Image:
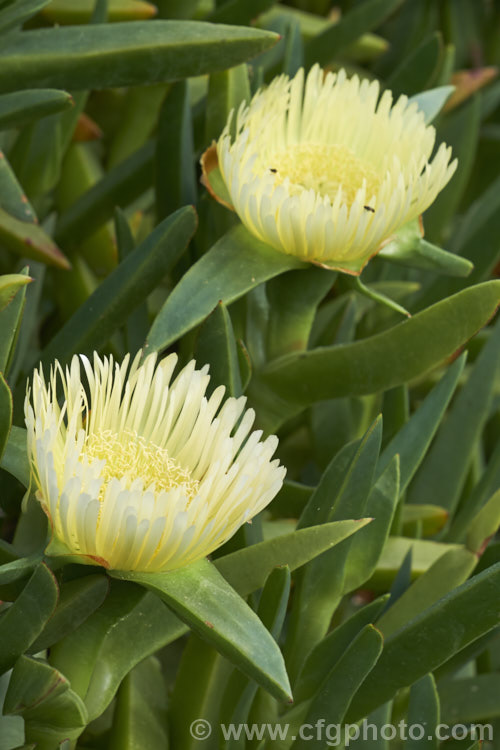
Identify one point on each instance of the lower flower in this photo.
(136, 472)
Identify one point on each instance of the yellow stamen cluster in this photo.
(326, 169)
(129, 455)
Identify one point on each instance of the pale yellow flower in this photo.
(136, 472)
(328, 170)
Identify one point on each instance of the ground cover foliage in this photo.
(110, 242)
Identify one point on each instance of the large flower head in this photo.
(136, 472)
(328, 170)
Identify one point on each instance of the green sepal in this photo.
(408, 248)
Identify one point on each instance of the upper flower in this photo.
(327, 170)
(138, 473)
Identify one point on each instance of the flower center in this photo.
(324, 168)
(130, 455)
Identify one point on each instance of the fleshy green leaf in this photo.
(124, 289)
(216, 346)
(440, 631)
(247, 569)
(240, 692)
(124, 54)
(413, 439)
(12, 196)
(448, 572)
(25, 619)
(119, 187)
(293, 299)
(30, 241)
(239, 11)
(367, 546)
(11, 727)
(20, 107)
(175, 175)
(10, 285)
(68, 12)
(430, 518)
(484, 525)
(10, 321)
(77, 600)
(470, 699)
(327, 652)
(226, 91)
(320, 586)
(460, 131)
(488, 484)
(443, 471)
(237, 263)
(203, 599)
(5, 413)
(102, 651)
(362, 18)
(15, 456)
(16, 13)
(418, 68)
(139, 719)
(51, 710)
(39, 149)
(389, 358)
(212, 671)
(424, 711)
(79, 172)
(424, 554)
(17, 569)
(141, 110)
(335, 693)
